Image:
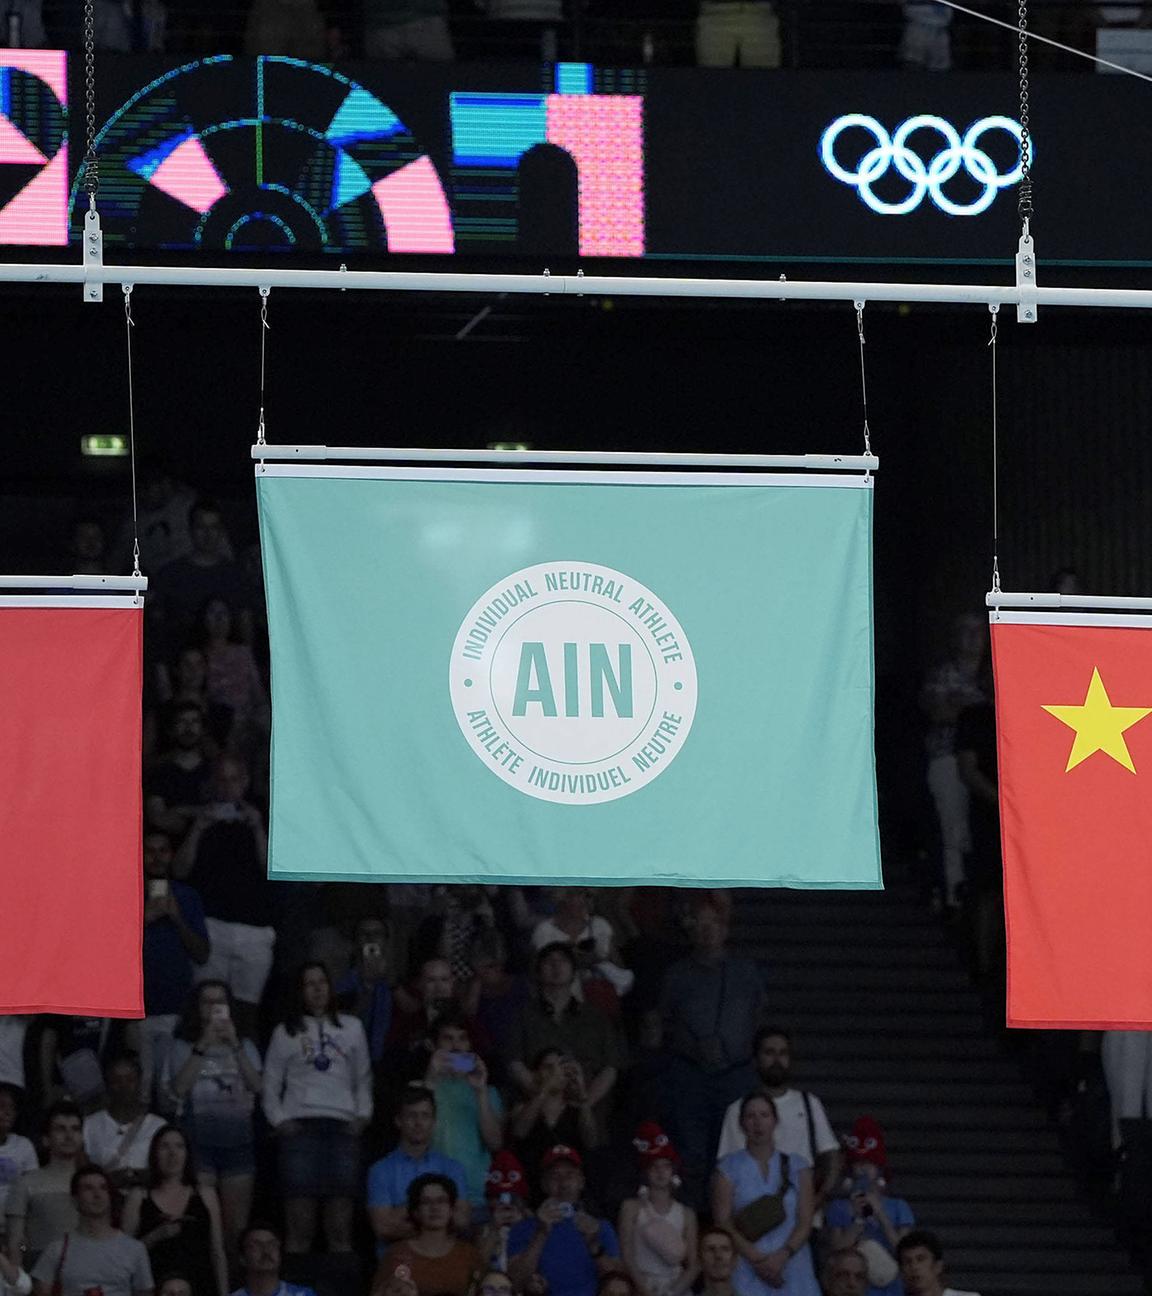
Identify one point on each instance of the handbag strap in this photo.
(58, 1277)
(811, 1135)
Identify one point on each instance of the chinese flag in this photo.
(1074, 732)
(70, 808)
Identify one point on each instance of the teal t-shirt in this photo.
(458, 1131)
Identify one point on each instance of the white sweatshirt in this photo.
(295, 1088)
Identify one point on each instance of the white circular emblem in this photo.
(573, 682)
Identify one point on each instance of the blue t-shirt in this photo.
(285, 1289)
(565, 1261)
(388, 1178)
(167, 967)
(838, 1213)
(377, 1020)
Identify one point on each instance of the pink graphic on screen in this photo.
(187, 174)
(605, 136)
(414, 209)
(37, 215)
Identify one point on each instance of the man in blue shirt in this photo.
(414, 1155)
(563, 1242)
(260, 1260)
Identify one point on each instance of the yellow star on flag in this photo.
(1099, 725)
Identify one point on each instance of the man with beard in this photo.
(802, 1126)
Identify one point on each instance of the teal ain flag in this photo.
(600, 678)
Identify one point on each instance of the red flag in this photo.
(70, 810)
(1074, 735)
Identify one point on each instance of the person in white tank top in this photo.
(657, 1232)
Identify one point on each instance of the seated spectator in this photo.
(174, 1285)
(557, 1111)
(234, 678)
(926, 43)
(294, 28)
(186, 680)
(214, 1077)
(845, 1273)
(469, 1112)
(365, 988)
(737, 35)
(14, 1280)
(868, 1219)
(764, 1197)
(711, 1006)
(657, 1232)
(617, 1284)
(72, 1056)
(260, 1259)
(462, 914)
(39, 1207)
(592, 938)
(567, 1245)
(318, 1100)
(225, 857)
(175, 943)
(413, 1156)
(496, 997)
(407, 29)
(87, 545)
(506, 1197)
(921, 1260)
(434, 1258)
(176, 786)
(177, 1219)
(95, 1256)
(162, 520)
(117, 1138)
(802, 1124)
(555, 1017)
(717, 1262)
(17, 1154)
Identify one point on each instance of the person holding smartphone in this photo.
(470, 1113)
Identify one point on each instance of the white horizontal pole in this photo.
(688, 459)
(105, 583)
(1105, 601)
(571, 285)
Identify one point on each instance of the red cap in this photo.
(561, 1152)
(866, 1142)
(652, 1144)
(506, 1176)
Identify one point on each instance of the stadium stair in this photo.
(886, 1022)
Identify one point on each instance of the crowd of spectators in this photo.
(412, 1090)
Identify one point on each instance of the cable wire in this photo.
(91, 162)
(863, 377)
(129, 322)
(995, 464)
(264, 326)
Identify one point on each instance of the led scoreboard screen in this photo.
(273, 154)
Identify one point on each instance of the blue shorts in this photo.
(226, 1162)
(321, 1160)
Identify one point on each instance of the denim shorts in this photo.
(226, 1162)
(322, 1159)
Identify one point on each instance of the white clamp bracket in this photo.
(1028, 307)
(93, 255)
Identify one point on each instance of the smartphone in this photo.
(220, 1012)
(372, 950)
(567, 1210)
(158, 888)
(463, 1063)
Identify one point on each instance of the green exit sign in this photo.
(114, 447)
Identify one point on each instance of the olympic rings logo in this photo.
(926, 178)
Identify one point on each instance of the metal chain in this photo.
(128, 325)
(863, 379)
(263, 336)
(1024, 199)
(995, 463)
(91, 163)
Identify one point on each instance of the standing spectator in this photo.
(563, 1242)
(39, 1207)
(734, 34)
(87, 546)
(591, 936)
(802, 1124)
(657, 1232)
(234, 678)
(434, 1258)
(765, 1198)
(177, 1219)
(162, 518)
(17, 1155)
(463, 914)
(260, 1259)
(496, 997)
(557, 1018)
(921, 1260)
(225, 857)
(926, 42)
(412, 1157)
(176, 786)
(175, 942)
(12, 1032)
(506, 1195)
(469, 1113)
(711, 1005)
(845, 1273)
(364, 988)
(95, 1256)
(214, 1077)
(73, 1054)
(414, 1017)
(556, 1111)
(186, 680)
(717, 1262)
(407, 29)
(117, 1138)
(318, 1099)
(868, 1219)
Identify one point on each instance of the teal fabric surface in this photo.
(605, 683)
